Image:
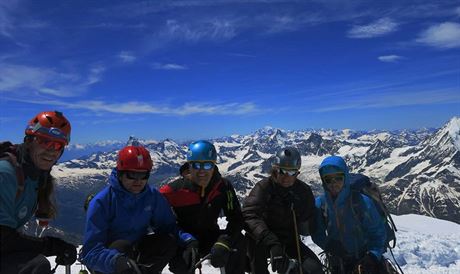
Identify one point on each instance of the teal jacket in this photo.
(339, 228)
(15, 213)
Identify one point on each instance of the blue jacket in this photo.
(115, 213)
(356, 235)
(15, 213)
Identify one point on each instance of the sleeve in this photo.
(319, 235)
(307, 222)
(375, 228)
(94, 254)
(253, 209)
(232, 210)
(12, 241)
(164, 221)
(8, 189)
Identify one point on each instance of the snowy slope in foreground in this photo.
(425, 245)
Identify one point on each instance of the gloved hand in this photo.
(66, 254)
(369, 264)
(220, 251)
(278, 259)
(125, 265)
(190, 254)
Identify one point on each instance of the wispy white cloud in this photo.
(127, 57)
(168, 66)
(236, 54)
(135, 107)
(397, 99)
(95, 74)
(6, 19)
(457, 11)
(378, 28)
(212, 29)
(445, 35)
(44, 80)
(390, 58)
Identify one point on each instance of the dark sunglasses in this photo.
(202, 165)
(49, 144)
(132, 175)
(289, 172)
(334, 178)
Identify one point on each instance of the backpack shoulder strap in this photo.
(357, 204)
(324, 209)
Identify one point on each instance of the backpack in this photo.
(361, 184)
(9, 152)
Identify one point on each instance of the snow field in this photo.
(424, 245)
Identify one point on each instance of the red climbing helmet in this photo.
(134, 158)
(51, 125)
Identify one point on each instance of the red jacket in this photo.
(198, 209)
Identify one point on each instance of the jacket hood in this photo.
(333, 164)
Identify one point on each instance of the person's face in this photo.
(201, 172)
(134, 181)
(286, 177)
(44, 152)
(334, 183)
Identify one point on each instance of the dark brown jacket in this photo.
(267, 212)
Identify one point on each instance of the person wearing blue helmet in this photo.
(198, 201)
(353, 244)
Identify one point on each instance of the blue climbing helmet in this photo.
(201, 151)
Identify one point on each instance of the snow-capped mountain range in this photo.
(417, 170)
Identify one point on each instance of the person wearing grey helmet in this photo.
(277, 210)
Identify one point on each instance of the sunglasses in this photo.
(132, 175)
(202, 165)
(334, 178)
(49, 144)
(289, 172)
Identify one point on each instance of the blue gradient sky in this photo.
(206, 68)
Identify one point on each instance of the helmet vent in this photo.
(287, 153)
(49, 119)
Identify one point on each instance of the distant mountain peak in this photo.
(453, 127)
(133, 141)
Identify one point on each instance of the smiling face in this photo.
(286, 178)
(44, 153)
(200, 175)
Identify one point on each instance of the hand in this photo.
(66, 254)
(190, 254)
(124, 265)
(220, 251)
(278, 259)
(368, 264)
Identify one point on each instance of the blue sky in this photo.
(206, 68)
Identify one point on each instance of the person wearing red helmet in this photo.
(119, 218)
(26, 190)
